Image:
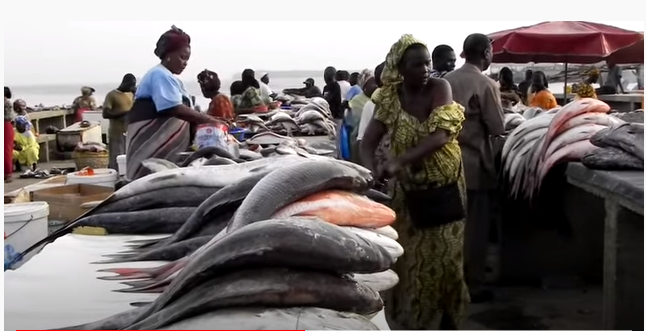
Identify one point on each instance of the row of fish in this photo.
(558, 135)
(285, 231)
(620, 147)
(314, 118)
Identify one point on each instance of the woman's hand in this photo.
(392, 168)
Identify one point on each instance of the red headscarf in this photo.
(172, 40)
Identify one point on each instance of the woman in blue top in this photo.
(160, 119)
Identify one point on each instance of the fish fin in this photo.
(140, 283)
(143, 243)
(258, 169)
(140, 303)
(157, 165)
(125, 273)
(133, 276)
(140, 290)
(118, 259)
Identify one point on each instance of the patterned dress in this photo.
(431, 287)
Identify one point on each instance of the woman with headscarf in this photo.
(429, 193)
(84, 102)
(26, 150)
(220, 105)
(160, 118)
(8, 135)
(585, 88)
(20, 107)
(366, 81)
(540, 96)
(250, 99)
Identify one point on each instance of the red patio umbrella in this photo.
(565, 42)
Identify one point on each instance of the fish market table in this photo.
(623, 269)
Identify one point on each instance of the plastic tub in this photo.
(121, 163)
(24, 225)
(101, 177)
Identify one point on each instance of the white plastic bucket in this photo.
(121, 162)
(101, 177)
(24, 225)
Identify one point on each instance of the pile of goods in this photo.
(621, 147)
(278, 237)
(561, 134)
(90, 154)
(313, 118)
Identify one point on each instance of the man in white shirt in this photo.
(265, 90)
(342, 77)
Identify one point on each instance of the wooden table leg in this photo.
(623, 271)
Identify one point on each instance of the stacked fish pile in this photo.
(561, 134)
(621, 147)
(279, 232)
(313, 118)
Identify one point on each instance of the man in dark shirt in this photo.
(332, 92)
(309, 91)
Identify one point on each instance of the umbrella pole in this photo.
(565, 94)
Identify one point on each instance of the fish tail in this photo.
(126, 273)
(140, 283)
(141, 290)
(144, 243)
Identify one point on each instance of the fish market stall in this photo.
(623, 274)
(564, 170)
(292, 237)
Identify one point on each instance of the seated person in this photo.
(309, 91)
(26, 150)
(246, 100)
(585, 88)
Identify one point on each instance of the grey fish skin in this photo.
(289, 243)
(181, 196)
(248, 155)
(171, 252)
(225, 200)
(258, 318)
(268, 288)
(296, 181)
(611, 158)
(207, 152)
(628, 137)
(152, 221)
(216, 160)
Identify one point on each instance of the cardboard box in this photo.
(65, 201)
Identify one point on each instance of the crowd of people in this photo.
(422, 126)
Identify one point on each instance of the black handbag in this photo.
(434, 206)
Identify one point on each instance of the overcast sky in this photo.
(98, 52)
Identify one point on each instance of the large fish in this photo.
(207, 153)
(334, 206)
(611, 158)
(571, 110)
(628, 137)
(525, 128)
(578, 133)
(152, 221)
(294, 182)
(572, 152)
(290, 243)
(170, 252)
(184, 186)
(220, 203)
(588, 118)
(299, 318)
(271, 287)
(390, 245)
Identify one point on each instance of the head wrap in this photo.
(249, 79)
(209, 81)
(592, 73)
(86, 90)
(364, 76)
(171, 41)
(391, 75)
(24, 121)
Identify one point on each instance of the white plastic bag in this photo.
(210, 136)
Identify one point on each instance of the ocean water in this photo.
(64, 94)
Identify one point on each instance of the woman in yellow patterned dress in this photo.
(429, 193)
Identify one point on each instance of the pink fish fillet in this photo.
(341, 208)
(588, 118)
(572, 152)
(575, 108)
